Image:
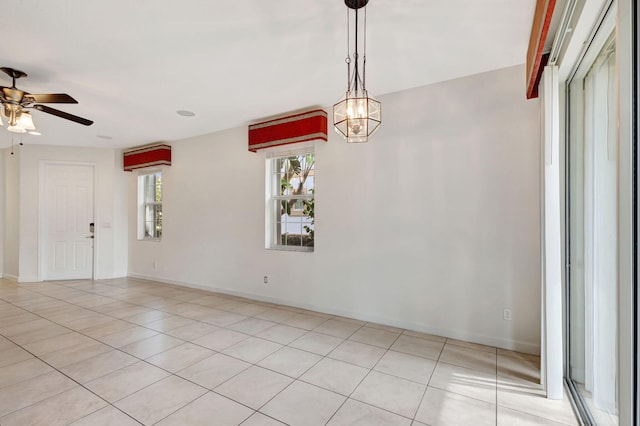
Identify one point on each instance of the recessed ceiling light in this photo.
(35, 133)
(104, 137)
(185, 113)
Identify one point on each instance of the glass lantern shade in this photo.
(26, 121)
(16, 129)
(357, 116)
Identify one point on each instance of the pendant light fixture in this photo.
(357, 115)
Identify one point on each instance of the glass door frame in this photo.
(601, 34)
(635, 117)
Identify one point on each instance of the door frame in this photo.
(629, 42)
(630, 34)
(605, 25)
(42, 217)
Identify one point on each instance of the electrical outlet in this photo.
(266, 279)
(506, 315)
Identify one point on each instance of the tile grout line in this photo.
(295, 379)
(350, 396)
(496, 387)
(428, 381)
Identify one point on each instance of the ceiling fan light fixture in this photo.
(9, 112)
(25, 121)
(14, 102)
(16, 129)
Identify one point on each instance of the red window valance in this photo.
(158, 154)
(296, 128)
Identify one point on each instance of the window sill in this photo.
(151, 240)
(292, 249)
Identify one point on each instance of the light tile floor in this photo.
(128, 351)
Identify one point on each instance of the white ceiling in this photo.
(132, 63)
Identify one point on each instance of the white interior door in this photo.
(68, 203)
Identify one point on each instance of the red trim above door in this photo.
(535, 54)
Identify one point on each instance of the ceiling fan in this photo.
(16, 102)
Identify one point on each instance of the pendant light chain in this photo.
(364, 56)
(355, 55)
(348, 58)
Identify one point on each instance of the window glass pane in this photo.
(153, 188)
(308, 226)
(150, 207)
(149, 214)
(158, 188)
(153, 220)
(149, 185)
(295, 174)
(157, 221)
(294, 226)
(592, 305)
(309, 184)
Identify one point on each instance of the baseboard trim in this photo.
(10, 277)
(512, 345)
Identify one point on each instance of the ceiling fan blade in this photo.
(52, 98)
(63, 114)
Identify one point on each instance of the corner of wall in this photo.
(120, 218)
(10, 213)
(3, 203)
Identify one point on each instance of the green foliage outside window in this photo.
(295, 172)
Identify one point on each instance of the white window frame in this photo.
(271, 196)
(142, 204)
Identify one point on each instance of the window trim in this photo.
(270, 198)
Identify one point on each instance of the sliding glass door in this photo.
(592, 294)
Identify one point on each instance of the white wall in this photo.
(11, 207)
(432, 226)
(3, 204)
(110, 258)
